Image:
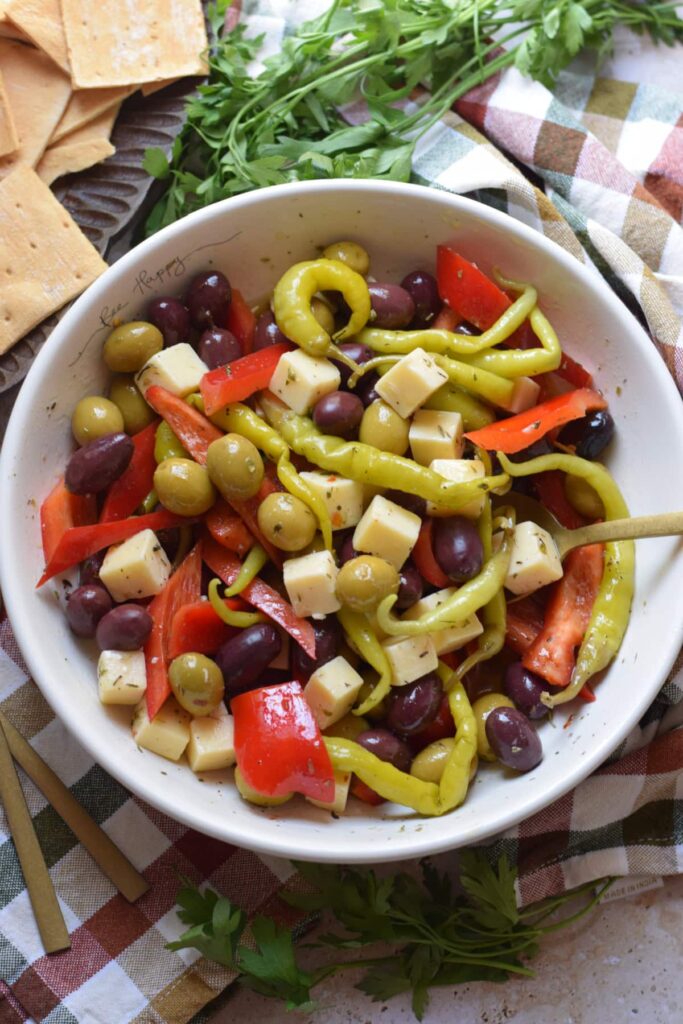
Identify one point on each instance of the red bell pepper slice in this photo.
(364, 793)
(79, 542)
(467, 290)
(523, 623)
(183, 587)
(248, 513)
(193, 430)
(423, 557)
(518, 432)
(241, 321)
(278, 745)
(261, 596)
(63, 511)
(197, 627)
(240, 379)
(132, 487)
(226, 527)
(445, 320)
(550, 491)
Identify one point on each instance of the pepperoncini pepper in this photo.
(363, 638)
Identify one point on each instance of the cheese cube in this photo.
(167, 734)
(524, 395)
(343, 498)
(387, 530)
(342, 782)
(212, 743)
(410, 382)
(534, 561)
(300, 380)
(121, 677)
(410, 658)
(332, 690)
(178, 369)
(459, 471)
(139, 567)
(435, 435)
(310, 581)
(450, 638)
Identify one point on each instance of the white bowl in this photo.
(254, 238)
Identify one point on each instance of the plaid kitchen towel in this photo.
(610, 157)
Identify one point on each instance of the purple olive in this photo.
(354, 350)
(513, 740)
(217, 346)
(85, 607)
(89, 571)
(458, 548)
(424, 291)
(411, 502)
(590, 435)
(346, 549)
(410, 588)
(412, 707)
(466, 328)
(95, 466)
(387, 747)
(208, 298)
(328, 639)
(171, 317)
(267, 332)
(124, 628)
(338, 413)
(366, 388)
(169, 540)
(244, 657)
(524, 688)
(392, 305)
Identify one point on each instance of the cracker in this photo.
(9, 140)
(41, 21)
(38, 92)
(45, 259)
(150, 87)
(115, 43)
(7, 29)
(86, 105)
(82, 148)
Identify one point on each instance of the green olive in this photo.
(429, 764)
(167, 445)
(286, 521)
(584, 498)
(348, 727)
(129, 346)
(365, 581)
(481, 709)
(350, 253)
(95, 417)
(184, 487)
(323, 314)
(254, 797)
(384, 428)
(235, 466)
(125, 394)
(197, 683)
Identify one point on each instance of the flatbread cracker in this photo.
(9, 140)
(83, 148)
(41, 21)
(86, 105)
(45, 259)
(117, 42)
(7, 29)
(150, 87)
(38, 92)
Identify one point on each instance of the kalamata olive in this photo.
(366, 388)
(590, 435)
(413, 706)
(170, 541)
(89, 571)
(354, 350)
(424, 291)
(245, 656)
(85, 608)
(267, 332)
(513, 740)
(96, 465)
(541, 447)
(124, 628)
(463, 327)
(387, 747)
(208, 298)
(411, 502)
(458, 548)
(171, 317)
(218, 346)
(338, 413)
(524, 688)
(410, 587)
(346, 549)
(392, 305)
(328, 639)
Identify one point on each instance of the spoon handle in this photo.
(665, 524)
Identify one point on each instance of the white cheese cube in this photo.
(342, 782)
(450, 638)
(387, 530)
(178, 369)
(410, 382)
(459, 471)
(332, 690)
(410, 657)
(300, 380)
(343, 498)
(435, 435)
(212, 743)
(524, 395)
(167, 734)
(121, 677)
(310, 581)
(534, 561)
(139, 567)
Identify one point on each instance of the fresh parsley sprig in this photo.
(425, 934)
(288, 123)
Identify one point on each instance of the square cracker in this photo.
(45, 259)
(82, 148)
(86, 105)
(41, 21)
(38, 92)
(119, 42)
(9, 140)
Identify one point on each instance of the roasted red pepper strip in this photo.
(196, 627)
(364, 793)
(193, 430)
(523, 623)
(241, 321)
(467, 290)
(425, 562)
(226, 527)
(261, 596)
(80, 542)
(62, 511)
(518, 432)
(240, 379)
(278, 745)
(550, 492)
(132, 487)
(183, 587)
(248, 513)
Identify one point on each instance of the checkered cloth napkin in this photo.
(610, 158)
